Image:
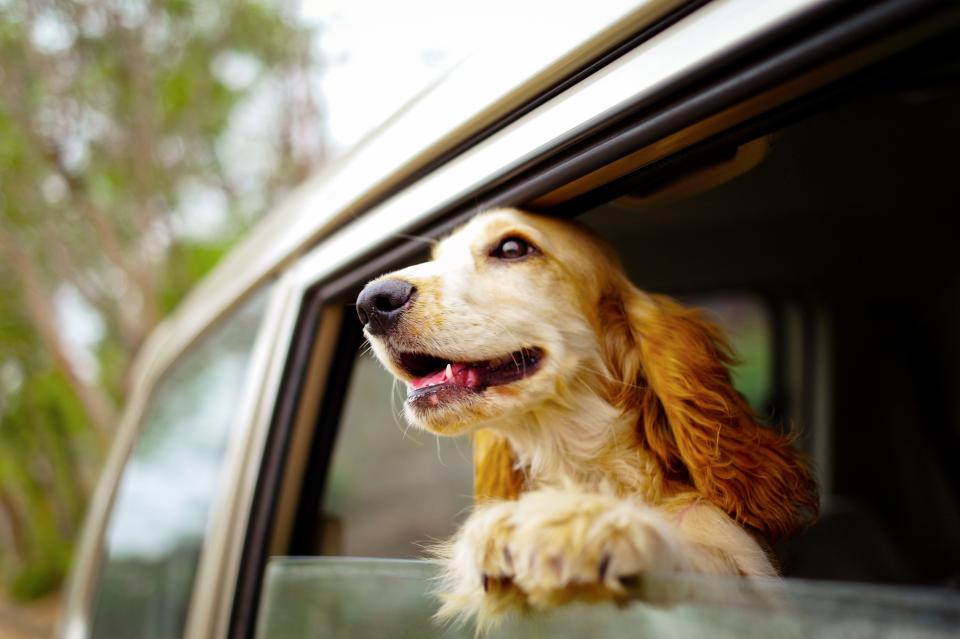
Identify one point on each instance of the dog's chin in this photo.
(448, 412)
(453, 411)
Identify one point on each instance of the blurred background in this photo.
(139, 139)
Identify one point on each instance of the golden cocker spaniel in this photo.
(608, 438)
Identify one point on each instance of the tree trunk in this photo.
(98, 407)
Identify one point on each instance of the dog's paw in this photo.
(573, 545)
(552, 546)
(477, 576)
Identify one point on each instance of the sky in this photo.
(377, 55)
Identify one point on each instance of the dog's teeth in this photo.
(449, 372)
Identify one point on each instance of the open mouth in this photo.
(436, 377)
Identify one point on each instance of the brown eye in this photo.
(512, 248)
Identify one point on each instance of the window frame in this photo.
(337, 266)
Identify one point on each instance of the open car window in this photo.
(821, 243)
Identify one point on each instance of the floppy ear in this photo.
(494, 475)
(672, 365)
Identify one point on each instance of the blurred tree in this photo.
(138, 138)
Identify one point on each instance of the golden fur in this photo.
(627, 450)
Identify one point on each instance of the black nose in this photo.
(381, 303)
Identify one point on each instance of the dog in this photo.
(608, 438)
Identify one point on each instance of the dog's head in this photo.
(515, 311)
(488, 329)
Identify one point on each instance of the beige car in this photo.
(791, 165)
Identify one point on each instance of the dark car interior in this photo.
(846, 220)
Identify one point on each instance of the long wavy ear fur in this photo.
(494, 475)
(672, 364)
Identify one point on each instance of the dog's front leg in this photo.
(551, 546)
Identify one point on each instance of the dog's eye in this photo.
(512, 248)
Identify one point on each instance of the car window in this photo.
(844, 246)
(392, 489)
(155, 531)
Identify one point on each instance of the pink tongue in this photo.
(430, 380)
(463, 375)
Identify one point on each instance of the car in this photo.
(790, 166)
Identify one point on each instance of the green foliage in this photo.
(100, 128)
(46, 455)
(189, 262)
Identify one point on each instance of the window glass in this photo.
(392, 488)
(366, 599)
(162, 507)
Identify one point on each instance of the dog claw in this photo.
(556, 564)
(603, 567)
